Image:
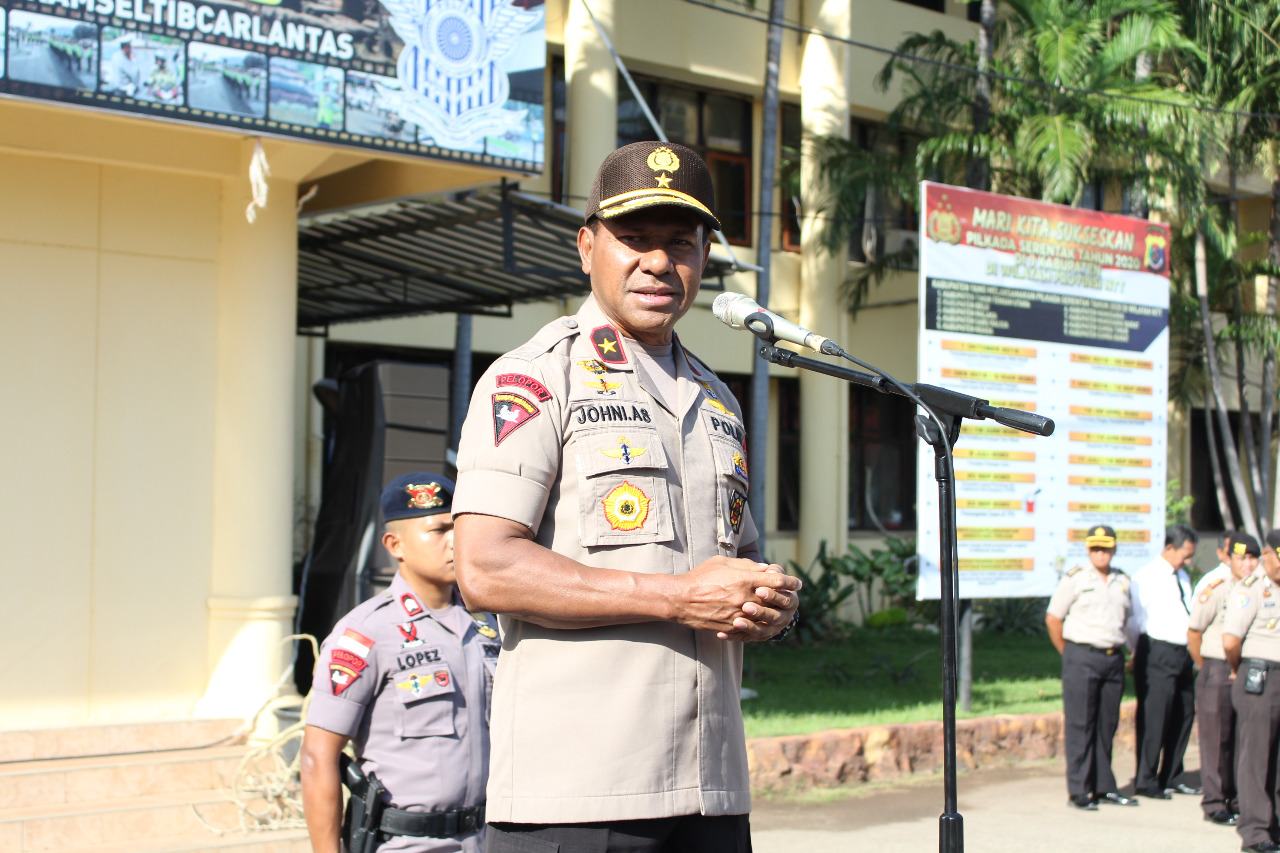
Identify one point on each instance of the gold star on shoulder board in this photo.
(664, 181)
(607, 345)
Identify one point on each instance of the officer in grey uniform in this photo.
(1213, 683)
(602, 512)
(1251, 645)
(1086, 620)
(406, 677)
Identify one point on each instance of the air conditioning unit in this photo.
(898, 240)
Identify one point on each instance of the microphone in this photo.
(739, 311)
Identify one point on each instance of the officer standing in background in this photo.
(1251, 643)
(602, 482)
(1213, 682)
(1163, 673)
(1087, 618)
(407, 676)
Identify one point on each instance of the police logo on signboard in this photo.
(455, 87)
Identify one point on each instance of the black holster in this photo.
(364, 808)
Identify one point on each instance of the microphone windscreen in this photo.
(731, 308)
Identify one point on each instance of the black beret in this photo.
(415, 495)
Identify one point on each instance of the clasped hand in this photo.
(738, 599)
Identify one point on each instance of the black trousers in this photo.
(1165, 682)
(1217, 736)
(1092, 685)
(1258, 734)
(686, 834)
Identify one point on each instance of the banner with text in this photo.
(455, 79)
(1063, 312)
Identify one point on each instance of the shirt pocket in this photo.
(731, 489)
(622, 489)
(427, 698)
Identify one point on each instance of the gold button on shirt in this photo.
(566, 435)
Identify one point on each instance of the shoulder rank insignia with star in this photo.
(626, 451)
(608, 345)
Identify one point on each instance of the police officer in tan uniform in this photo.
(1213, 682)
(1086, 620)
(602, 513)
(406, 677)
(1251, 644)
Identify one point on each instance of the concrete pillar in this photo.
(591, 81)
(824, 402)
(251, 607)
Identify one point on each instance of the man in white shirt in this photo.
(1162, 667)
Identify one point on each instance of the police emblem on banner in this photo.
(454, 85)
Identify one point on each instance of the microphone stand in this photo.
(940, 429)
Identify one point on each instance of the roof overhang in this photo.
(476, 252)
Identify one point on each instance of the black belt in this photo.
(432, 824)
(1165, 642)
(1111, 650)
(1259, 663)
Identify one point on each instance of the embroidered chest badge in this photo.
(626, 451)
(737, 503)
(510, 412)
(482, 625)
(740, 465)
(713, 400)
(409, 631)
(413, 684)
(626, 507)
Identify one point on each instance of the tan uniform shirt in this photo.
(566, 436)
(1093, 609)
(1209, 611)
(1253, 614)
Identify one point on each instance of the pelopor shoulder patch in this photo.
(510, 412)
(521, 380)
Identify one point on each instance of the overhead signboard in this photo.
(1063, 312)
(457, 79)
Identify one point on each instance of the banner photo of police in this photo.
(451, 79)
(1062, 311)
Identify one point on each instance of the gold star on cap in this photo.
(664, 181)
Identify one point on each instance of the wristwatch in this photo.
(782, 635)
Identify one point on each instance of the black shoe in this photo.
(1154, 793)
(1222, 817)
(1084, 802)
(1183, 788)
(1114, 799)
(1262, 847)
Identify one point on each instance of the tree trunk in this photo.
(1219, 488)
(1252, 457)
(1220, 404)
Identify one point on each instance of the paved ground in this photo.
(1009, 810)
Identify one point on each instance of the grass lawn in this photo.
(892, 675)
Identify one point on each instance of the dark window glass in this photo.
(1205, 512)
(788, 474)
(792, 132)
(931, 5)
(882, 461)
(558, 111)
(717, 126)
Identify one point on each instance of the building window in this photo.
(1205, 512)
(882, 461)
(716, 125)
(792, 132)
(788, 473)
(931, 5)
